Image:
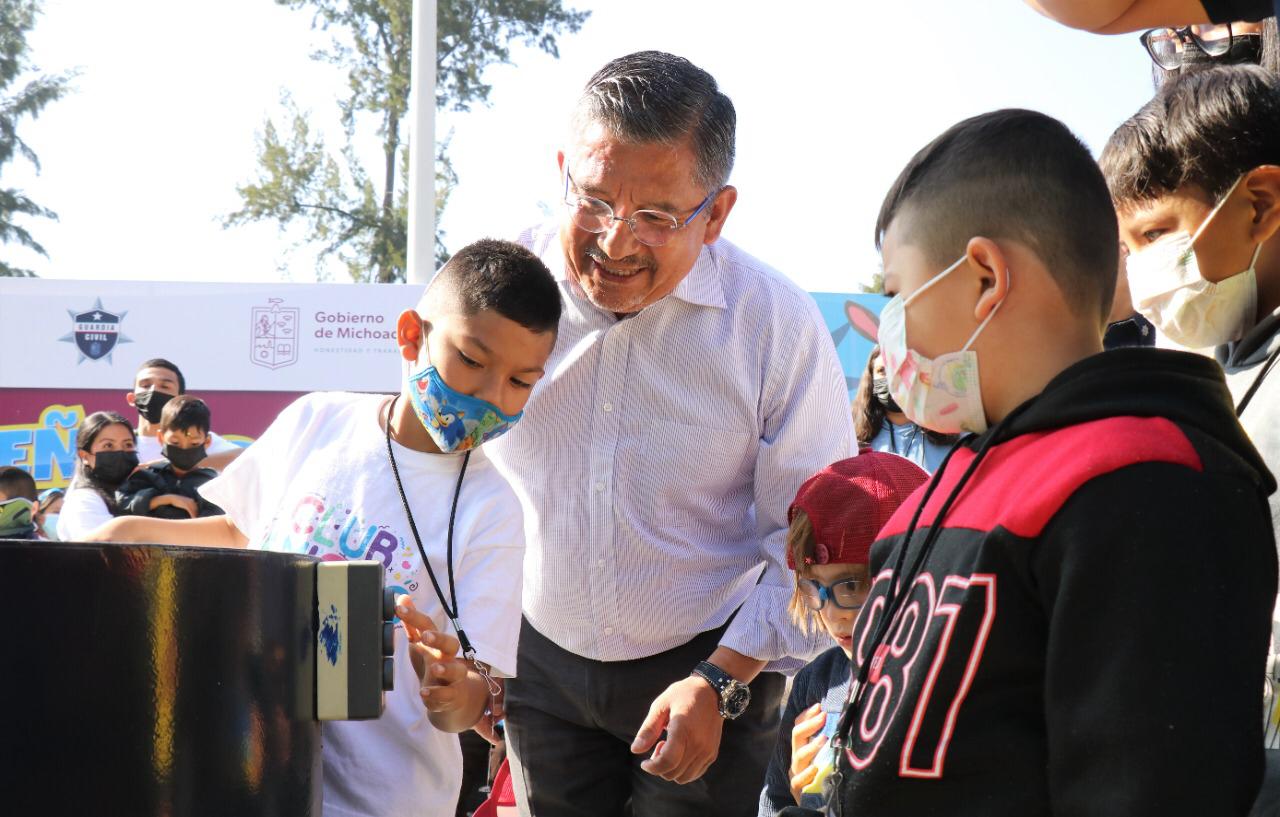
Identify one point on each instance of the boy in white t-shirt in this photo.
(325, 479)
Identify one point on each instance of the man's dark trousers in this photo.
(571, 721)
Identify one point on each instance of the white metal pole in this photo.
(420, 263)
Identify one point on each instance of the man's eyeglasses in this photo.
(843, 594)
(652, 228)
(1165, 45)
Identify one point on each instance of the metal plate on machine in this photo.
(350, 640)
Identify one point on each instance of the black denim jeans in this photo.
(571, 720)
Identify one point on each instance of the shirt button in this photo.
(607, 407)
(600, 486)
(608, 631)
(600, 563)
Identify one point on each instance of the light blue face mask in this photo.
(455, 421)
(50, 527)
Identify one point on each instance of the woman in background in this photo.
(105, 456)
(880, 423)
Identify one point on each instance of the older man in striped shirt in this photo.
(691, 391)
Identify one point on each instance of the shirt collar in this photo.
(703, 286)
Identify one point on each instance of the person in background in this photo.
(880, 424)
(833, 521)
(1177, 52)
(106, 454)
(170, 488)
(1195, 176)
(48, 506)
(17, 504)
(156, 383)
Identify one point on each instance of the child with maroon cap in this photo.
(835, 517)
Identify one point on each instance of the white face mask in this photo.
(1169, 291)
(942, 393)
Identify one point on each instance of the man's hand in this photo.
(804, 748)
(689, 711)
(453, 692)
(186, 503)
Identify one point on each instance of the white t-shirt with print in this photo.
(318, 482)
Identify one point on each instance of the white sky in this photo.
(832, 97)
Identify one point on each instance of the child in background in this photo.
(48, 508)
(1195, 177)
(17, 503)
(170, 489)
(834, 519)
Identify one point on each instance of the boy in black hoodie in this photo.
(1195, 176)
(171, 489)
(1071, 617)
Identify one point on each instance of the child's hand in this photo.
(186, 503)
(435, 658)
(804, 748)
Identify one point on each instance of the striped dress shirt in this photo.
(659, 455)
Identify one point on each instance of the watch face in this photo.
(736, 699)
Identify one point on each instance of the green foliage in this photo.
(17, 18)
(347, 211)
(876, 287)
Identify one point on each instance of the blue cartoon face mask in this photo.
(456, 421)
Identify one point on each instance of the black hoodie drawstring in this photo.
(900, 590)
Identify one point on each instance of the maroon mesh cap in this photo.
(849, 501)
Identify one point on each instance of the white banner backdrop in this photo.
(241, 337)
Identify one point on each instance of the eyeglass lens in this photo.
(649, 226)
(843, 594)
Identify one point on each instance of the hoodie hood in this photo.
(1254, 347)
(1187, 388)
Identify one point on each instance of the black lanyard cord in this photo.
(450, 606)
(897, 596)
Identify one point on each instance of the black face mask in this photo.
(111, 467)
(150, 403)
(880, 388)
(184, 459)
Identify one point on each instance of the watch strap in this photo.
(720, 682)
(718, 678)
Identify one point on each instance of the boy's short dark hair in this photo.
(184, 412)
(17, 482)
(504, 277)
(1020, 175)
(161, 363)
(1204, 129)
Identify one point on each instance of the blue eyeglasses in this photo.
(844, 594)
